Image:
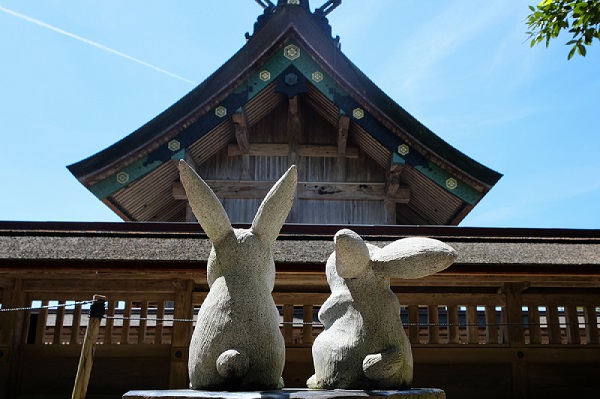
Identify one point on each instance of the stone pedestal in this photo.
(423, 393)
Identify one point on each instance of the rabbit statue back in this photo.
(364, 345)
(237, 344)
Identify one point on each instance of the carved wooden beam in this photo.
(392, 186)
(281, 150)
(343, 152)
(343, 126)
(241, 131)
(305, 190)
(243, 141)
(393, 181)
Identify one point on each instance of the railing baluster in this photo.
(454, 330)
(126, 323)
(75, 325)
(472, 327)
(143, 322)
(591, 324)
(572, 319)
(160, 315)
(307, 328)
(288, 327)
(40, 331)
(535, 333)
(110, 323)
(413, 324)
(554, 335)
(491, 329)
(434, 320)
(58, 324)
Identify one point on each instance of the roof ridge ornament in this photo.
(328, 7)
(320, 14)
(265, 3)
(301, 3)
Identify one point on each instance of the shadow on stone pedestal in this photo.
(421, 393)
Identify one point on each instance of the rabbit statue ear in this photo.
(351, 254)
(206, 206)
(275, 207)
(414, 257)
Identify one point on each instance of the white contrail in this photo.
(97, 45)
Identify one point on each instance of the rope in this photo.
(317, 324)
(60, 305)
(300, 323)
(149, 319)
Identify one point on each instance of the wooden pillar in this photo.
(182, 333)
(516, 336)
(11, 332)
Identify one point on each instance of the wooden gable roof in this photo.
(290, 79)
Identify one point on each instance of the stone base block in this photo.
(421, 393)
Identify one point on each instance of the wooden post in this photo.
(182, 333)
(12, 331)
(516, 336)
(89, 347)
(307, 327)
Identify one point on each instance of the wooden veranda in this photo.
(515, 317)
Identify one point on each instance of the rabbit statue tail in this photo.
(390, 368)
(232, 364)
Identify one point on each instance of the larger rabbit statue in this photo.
(364, 345)
(237, 344)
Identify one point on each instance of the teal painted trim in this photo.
(272, 68)
(397, 159)
(327, 86)
(304, 63)
(450, 183)
(124, 177)
(444, 179)
(128, 175)
(179, 155)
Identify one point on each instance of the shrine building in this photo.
(290, 96)
(516, 316)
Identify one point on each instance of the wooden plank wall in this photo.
(315, 131)
(524, 342)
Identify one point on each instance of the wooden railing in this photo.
(429, 319)
(145, 336)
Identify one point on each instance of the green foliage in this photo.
(580, 18)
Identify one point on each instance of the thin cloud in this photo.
(94, 44)
(448, 29)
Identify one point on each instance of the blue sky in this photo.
(76, 76)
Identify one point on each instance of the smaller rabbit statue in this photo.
(237, 344)
(364, 345)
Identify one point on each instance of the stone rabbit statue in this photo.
(364, 345)
(237, 344)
